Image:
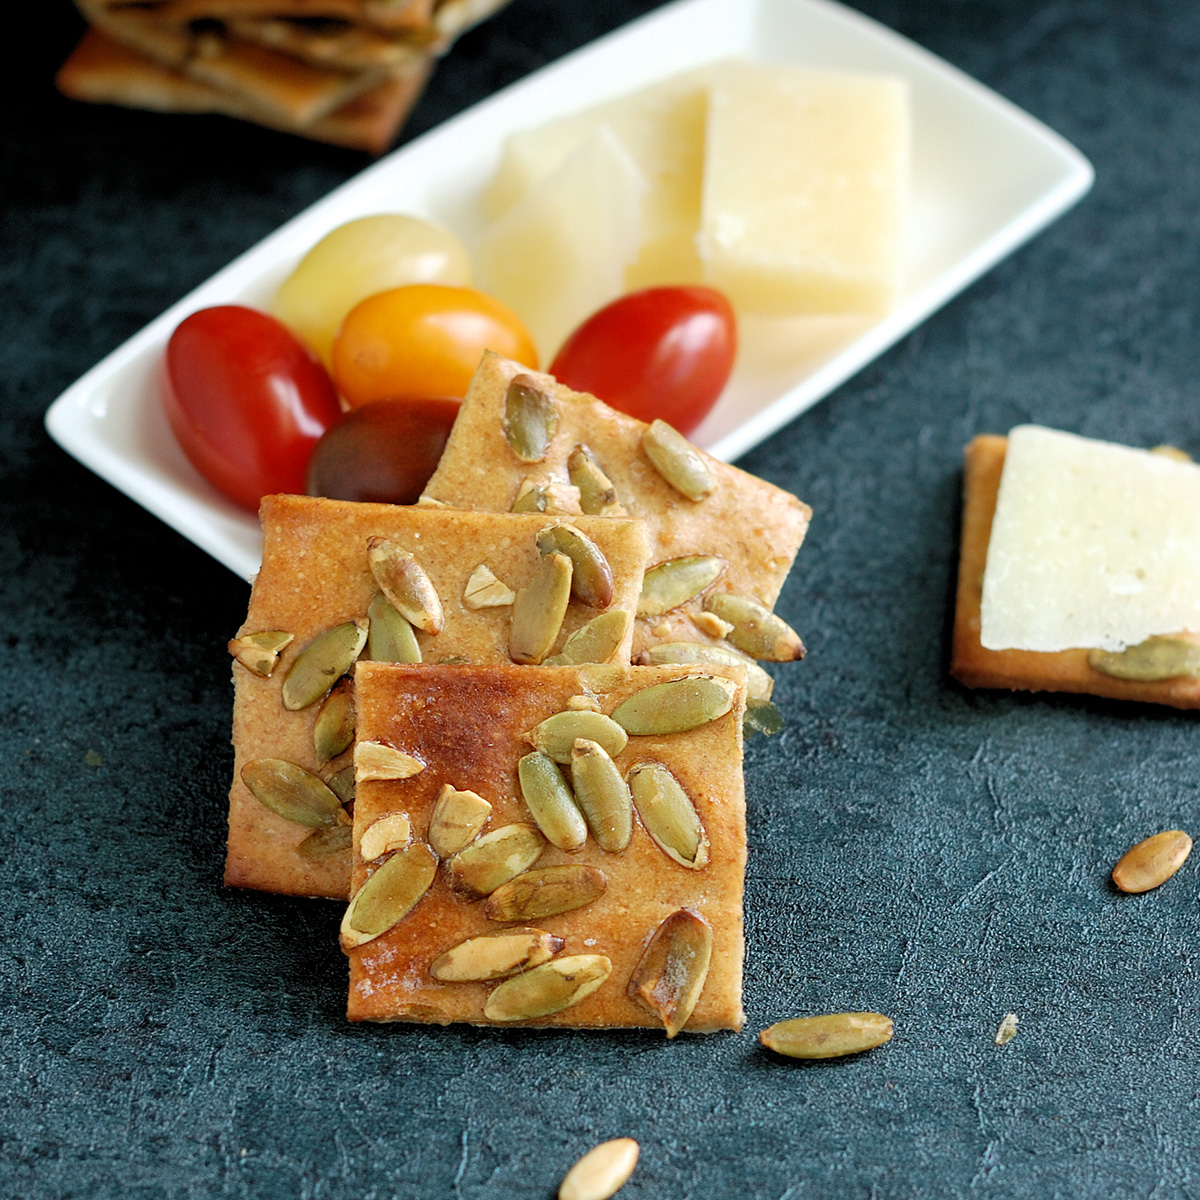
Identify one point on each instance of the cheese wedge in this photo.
(1093, 545)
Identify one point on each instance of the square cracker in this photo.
(754, 526)
(315, 575)
(1024, 670)
(468, 726)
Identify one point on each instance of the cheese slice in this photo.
(1092, 545)
(805, 186)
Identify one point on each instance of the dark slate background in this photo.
(937, 855)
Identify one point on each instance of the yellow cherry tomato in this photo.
(423, 340)
(359, 259)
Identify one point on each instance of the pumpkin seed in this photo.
(597, 495)
(293, 793)
(494, 859)
(759, 685)
(322, 663)
(1155, 659)
(530, 418)
(456, 820)
(677, 705)
(829, 1036)
(341, 784)
(595, 642)
(390, 637)
(495, 955)
(1152, 862)
(374, 760)
(668, 814)
(676, 581)
(406, 584)
(538, 610)
(259, 652)
(591, 577)
(333, 730)
(671, 973)
(602, 1172)
(710, 624)
(382, 836)
(602, 795)
(678, 461)
(389, 895)
(756, 629)
(545, 892)
(1007, 1029)
(484, 590)
(761, 716)
(550, 497)
(326, 843)
(550, 801)
(547, 989)
(556, 735)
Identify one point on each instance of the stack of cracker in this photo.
(346, 72)
(506, 723)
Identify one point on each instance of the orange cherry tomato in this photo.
(425, 339)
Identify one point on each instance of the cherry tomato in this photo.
(246, 400)
(423, 340)
(663, 352)
(383, 452)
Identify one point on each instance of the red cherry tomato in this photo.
(663, 352)
(384, 452)
(247, 401)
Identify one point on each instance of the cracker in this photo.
(1024, 670)
(468, 727)
(755, 527)
(314, 576)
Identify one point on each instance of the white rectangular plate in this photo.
(986, 177)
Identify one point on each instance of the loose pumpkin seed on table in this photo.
(602, 1172)
(1152, 862)
(831, 1035)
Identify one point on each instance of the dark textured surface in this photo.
(937, 855)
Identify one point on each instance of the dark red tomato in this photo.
(664, 352)
(384, 451)
(247, 401)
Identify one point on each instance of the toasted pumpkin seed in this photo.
(389, 895)
(390, 637)
(545, 892)
(761, 716)
(678, 461)
(602, 795)
(322, 663)
(341, 784)
(1152, 862)
(759, 685)
(547, 989)
(597, 494)
(293, 793)
(756, 629)
(668, 814)
(374, 760)
(333, 730)
(556, 735)
(259, 652)
(828, 1036)
(602, 1172)
(406, 584)
(326, 843)
(383, 835)
(456, 820)
(549, 497)
(591, 577)
(676, 581)
(676, 705)
(485, 590)
(494, 859)
(530, 418)
(595, 642)
(671, 973)
(1155, 659)
(495, 955)
(1007, 1029)
(550, 801)
(538, 610)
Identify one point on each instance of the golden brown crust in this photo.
(467, 726)
(1024, 670)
